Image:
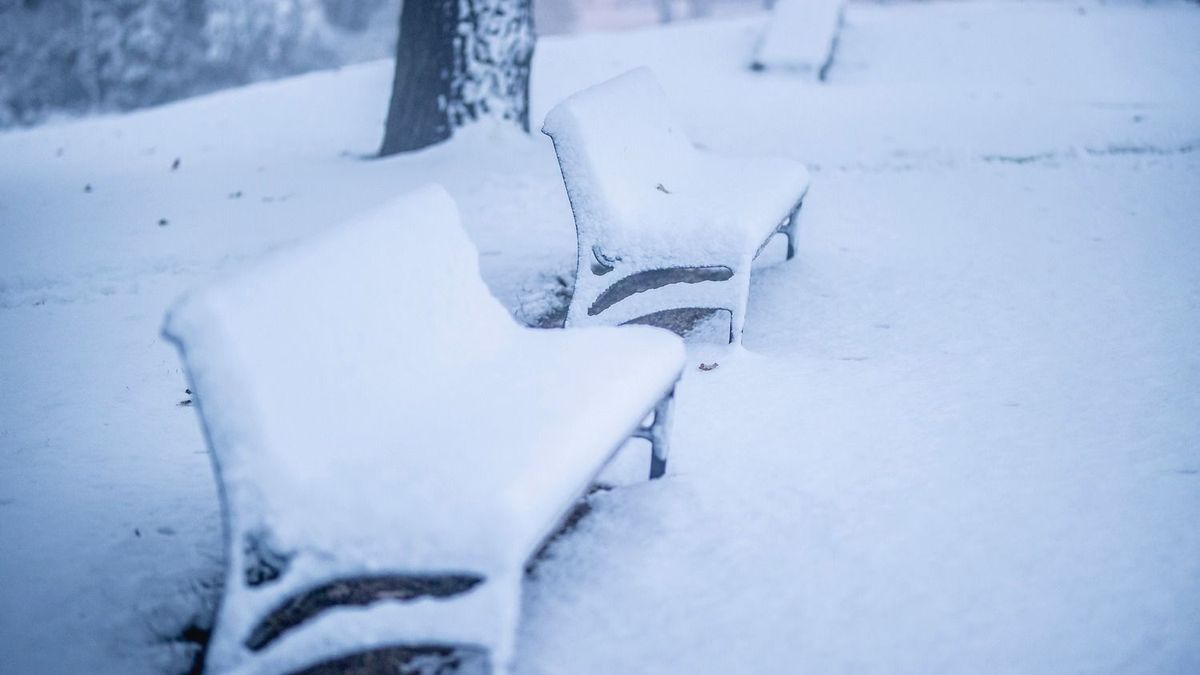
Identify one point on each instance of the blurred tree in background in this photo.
(81, 55)
(354, 16)
(78, 56)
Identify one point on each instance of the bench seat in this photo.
(719, 204)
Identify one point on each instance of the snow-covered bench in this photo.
(801, 37)
(391, 446)
(662, 226)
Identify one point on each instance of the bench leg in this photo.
(658, 433)
(789, 229)
(739, 297)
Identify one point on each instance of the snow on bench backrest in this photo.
(331, 345)
(617, 142)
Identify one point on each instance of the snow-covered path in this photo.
(964, 435)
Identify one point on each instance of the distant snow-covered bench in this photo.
(662, 226)
(801, 37)
(391, 446)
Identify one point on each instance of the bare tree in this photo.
(458, 61)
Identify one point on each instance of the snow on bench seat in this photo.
(801, 36)
(648, 204)
(374, 413)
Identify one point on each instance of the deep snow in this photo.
(964, 435)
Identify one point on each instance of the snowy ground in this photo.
(964, 435)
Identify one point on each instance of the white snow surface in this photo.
(645, 198)
(963, 434)
(801, 36)
(368, 375)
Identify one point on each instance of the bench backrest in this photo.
(617, 142)
(323, 347)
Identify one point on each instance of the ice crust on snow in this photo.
(645, 197)
(801, 36)
(369, 375)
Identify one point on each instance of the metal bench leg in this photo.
(790, 229)
(658, 433)
(738, 302)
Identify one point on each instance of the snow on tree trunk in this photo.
(458, 61)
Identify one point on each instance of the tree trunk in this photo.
(664, 10)
(458, 61)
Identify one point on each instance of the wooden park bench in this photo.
(390, 446)
(662, 226)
